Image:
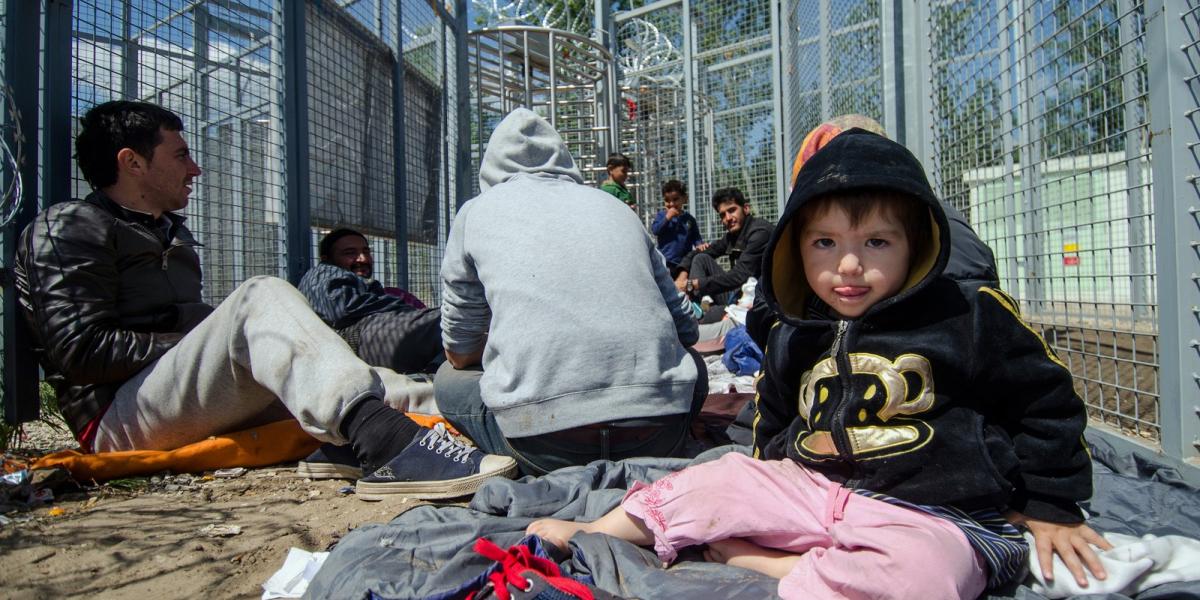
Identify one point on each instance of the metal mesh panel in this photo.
(351, 157)
(218, 66)
(1183, 311)
(1042, 139)
(734, 62)
(834, 64)
(351, 71)
(655, 130)
(559, 75)
(428, 57)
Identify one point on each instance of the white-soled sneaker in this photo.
(330, 462)
(434, 465)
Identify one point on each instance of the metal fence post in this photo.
(916, 106)
(694, 129)
(295, 123)
(1171, 45)
(22, 24)
(783, 162)
(56, 104)
(463, 108)
(399, 156)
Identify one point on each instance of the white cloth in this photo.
(1133, 566)
(291, 580)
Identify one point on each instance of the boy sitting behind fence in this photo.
(904, 421)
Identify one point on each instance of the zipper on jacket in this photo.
(837, 426)
(837, 340)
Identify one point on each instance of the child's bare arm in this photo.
(1071, 541)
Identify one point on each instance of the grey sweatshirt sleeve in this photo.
(685, 323)
(465, 311)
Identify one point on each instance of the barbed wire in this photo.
(10, 201)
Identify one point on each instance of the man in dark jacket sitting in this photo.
(386, 327)
(111, 288)
(744, 242)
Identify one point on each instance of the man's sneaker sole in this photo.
(431, 490)
(327, 471)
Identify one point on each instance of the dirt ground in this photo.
(142, 538)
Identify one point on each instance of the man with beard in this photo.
(386, 327)
(745, 240)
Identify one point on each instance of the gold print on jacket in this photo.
(903, 435)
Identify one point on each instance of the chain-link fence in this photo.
(1066, 132)
(304, 116)
(1043, 140)
(659, 119)
(564, 77)
(833, 65)
(700, 95)
(218, 66)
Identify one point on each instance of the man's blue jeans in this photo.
(460, 402)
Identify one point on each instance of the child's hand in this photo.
(1071, 541)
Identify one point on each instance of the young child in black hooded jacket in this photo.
(905, 422)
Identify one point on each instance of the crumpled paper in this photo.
(293, 578)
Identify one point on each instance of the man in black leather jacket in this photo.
(111, 287)
(746, 238)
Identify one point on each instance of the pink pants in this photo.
(851, 546)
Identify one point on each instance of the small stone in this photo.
(219, 530)
(171, 487)
(313, 494)
(229, 473)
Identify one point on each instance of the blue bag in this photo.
(742, 356)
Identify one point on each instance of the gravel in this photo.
(40, 437)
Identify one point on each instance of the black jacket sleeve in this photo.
(775, 406)
(70, 288)
(748, 265)
(1030, 395)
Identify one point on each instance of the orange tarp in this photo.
(278, 442)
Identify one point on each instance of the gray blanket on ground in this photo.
(427, 550)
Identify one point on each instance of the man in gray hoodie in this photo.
(537, 369)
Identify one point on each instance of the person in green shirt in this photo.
(618, 171)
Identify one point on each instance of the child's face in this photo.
(675, 200)
(852, 268)
(618, 174)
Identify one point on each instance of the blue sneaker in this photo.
(330, 462)
(434, 465)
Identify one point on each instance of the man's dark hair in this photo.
(616, 159)
(676, 186)
(325, 247)
(107, 128)
(728, 194)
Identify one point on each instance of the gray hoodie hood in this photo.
(525, 143)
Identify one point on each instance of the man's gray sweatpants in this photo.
(262, 343)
